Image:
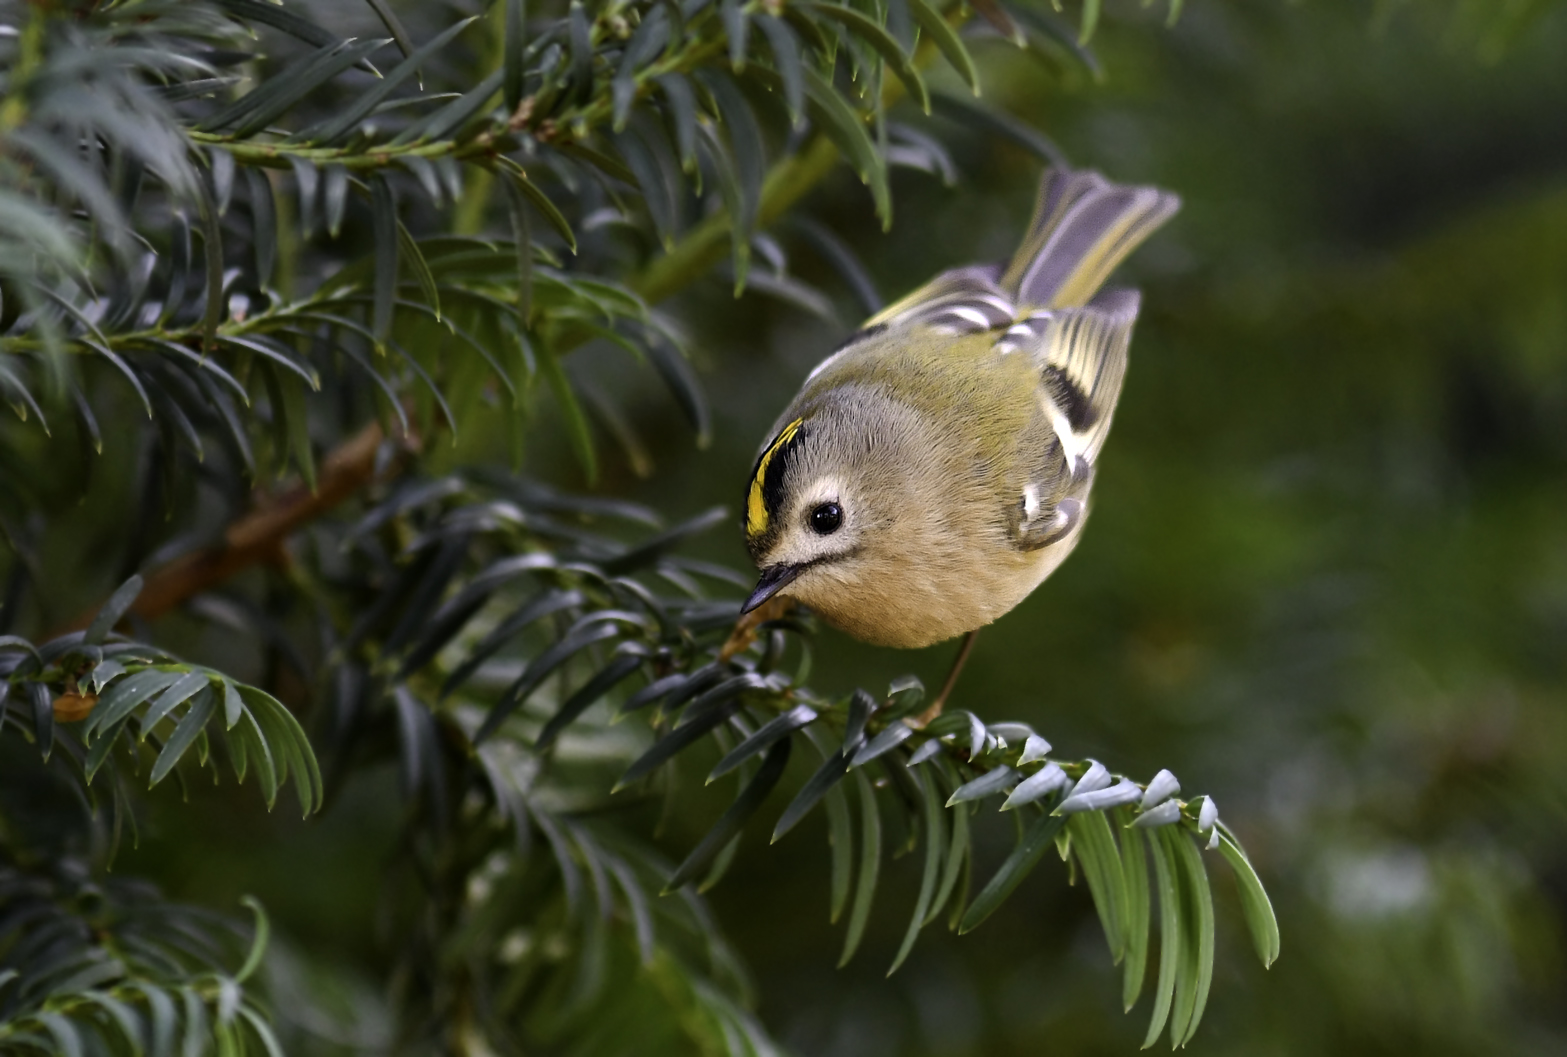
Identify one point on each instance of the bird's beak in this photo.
(774, 579)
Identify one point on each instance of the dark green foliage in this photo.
(614, 627)
(105, 703)
(488, 552)
(233, 243)
(114, 968)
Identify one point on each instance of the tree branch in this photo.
(259, 535)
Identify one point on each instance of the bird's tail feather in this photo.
(1083, 226)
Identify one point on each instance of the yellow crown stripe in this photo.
(756, 515)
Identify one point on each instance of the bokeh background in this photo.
(1325, 578)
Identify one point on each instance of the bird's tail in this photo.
(1083, 226)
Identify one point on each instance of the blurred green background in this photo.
(1325, 579)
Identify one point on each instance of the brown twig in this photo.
(258, 536)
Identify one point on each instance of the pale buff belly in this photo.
(920, 603)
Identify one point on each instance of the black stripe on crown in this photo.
(764, 496)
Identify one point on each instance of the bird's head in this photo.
(823, 501)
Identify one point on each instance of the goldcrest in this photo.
(936, 468)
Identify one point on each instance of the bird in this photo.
(936, 467)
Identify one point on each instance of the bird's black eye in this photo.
(826, 518)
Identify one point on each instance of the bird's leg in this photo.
(952, 680)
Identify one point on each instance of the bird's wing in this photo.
(960, 301)
(1080, 354)
(1083, 226)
